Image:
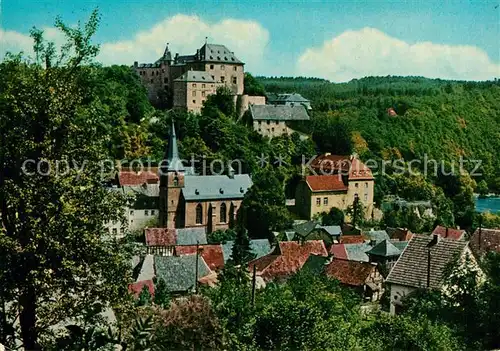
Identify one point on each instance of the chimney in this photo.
(446, 233)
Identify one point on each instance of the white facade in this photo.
(398, 292)
(139, 218)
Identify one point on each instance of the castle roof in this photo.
(216, 187)
(326, 183)
(294, 97)
(217, 53)
(278, 113)
(196, 76)
(449, 233)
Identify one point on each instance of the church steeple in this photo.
(167, 55)
(172, 156)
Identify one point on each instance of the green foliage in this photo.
(162, 296)
(221, 101)
(482, 188)
(262, 210)
(241, 252)
(221, 236)
(144, 297)
(56, 261)
(356, 212)
(252, 86)
(334, 217)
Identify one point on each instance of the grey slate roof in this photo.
(357, 252)
(377, 235)
(217, 53)
(259, 247)
(401, 245)
(294, 97)
(196, 76)
(412, 266)
(147, 270)
(216, 187)
(333, 230)
(172, 155)
(190, 236)
(179, 272)
(146, 197)
(278, 113)
(384, 249)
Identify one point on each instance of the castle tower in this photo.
(171, 184)
(167, 56)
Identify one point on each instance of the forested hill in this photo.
(443, 119)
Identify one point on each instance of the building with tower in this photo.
(191, 201)
(185, 81)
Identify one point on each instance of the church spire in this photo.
(174, 161)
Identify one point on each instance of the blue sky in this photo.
(338, 40)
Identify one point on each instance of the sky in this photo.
(337, 40)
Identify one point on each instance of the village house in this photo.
(364, 277)
(422, 265)
(450, 233)
(339, 180)
(312, 230)
(271, 120)
(485, 240)
(172, 78)
(286, 259)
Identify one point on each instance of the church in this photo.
(190, 201)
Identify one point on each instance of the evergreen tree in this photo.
(144, 297)
(162, 296)
(241, 253)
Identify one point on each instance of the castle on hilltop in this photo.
(185, 81)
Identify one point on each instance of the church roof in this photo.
(216, 187)
(217, 53)
(172, 158)
(179, 272)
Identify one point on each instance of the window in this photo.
(152, 212)
(157, 72)
(366, 185)
(213, 77)
(277, 122)
(211, 66)
(268, 122)
(146, 212)
(176, 181)
(152, 80)
(194, 85)
(356, 185)
(318, 201)
(165, 80)
(115, 231)
(199, 214)
(222, 79)
(272, 130)
(203, 85)
(223, 213)
(235, 80)
(165, 87)
(203, 93)
(131, 212)
(235, 68)
(366, 197)
(152, 73)
(325, 201)
(194, 101)
(222, 67)
(194, 93)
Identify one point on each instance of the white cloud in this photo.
(248, 39)
(370, 52)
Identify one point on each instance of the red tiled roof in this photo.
(160, 236)
(137, 178)
(449, 233)
(338, 251)
(353, 166)
(326, 183)
(287, 258)
(485, 240)
(349, 272)
(352, 239)
(212, 254)
(136, 288)
(401, 234)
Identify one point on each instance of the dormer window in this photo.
(221, 191)
(197, 192)
(176, 181)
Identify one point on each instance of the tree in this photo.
(144, 297)
(482, 188)
(334, 217)
(222, 101)
(56, 262)
(162, 296)
(356, 211)
(252, 86)
(241, 253)
(221, 236)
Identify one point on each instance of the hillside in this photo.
(441, 119)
